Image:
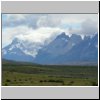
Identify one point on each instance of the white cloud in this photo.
(25, 33)
(8, 34)
(40, 34)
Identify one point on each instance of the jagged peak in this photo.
(15, 40)
(63, 35)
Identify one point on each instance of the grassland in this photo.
(27, 74)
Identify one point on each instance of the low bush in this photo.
(7, 80)
(94, 84)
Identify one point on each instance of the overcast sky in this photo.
(39, 27)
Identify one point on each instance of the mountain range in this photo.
(64, 49)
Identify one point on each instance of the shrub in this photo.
(6, 84)
(30, 78)
(94, 84)
(63, 83)
(8, 80)
(59, 81)
(51, 80)
(45, 80)
(25, 79)
(31, 81)
(71, 82)
(41, 81)
(20, 80)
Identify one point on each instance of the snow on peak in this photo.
(27, 47)
(11, 47)
(82, 36)
(93, 35)
(31, 53)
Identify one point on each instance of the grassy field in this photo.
(27, 74)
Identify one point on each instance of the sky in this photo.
(40, 27)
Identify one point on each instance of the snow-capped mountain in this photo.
(21, 50)
(85, 51)
(61, 50)
(68, 50)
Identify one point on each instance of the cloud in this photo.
(39, 35)
(48, 21)
(87, 27)
(25, 33)
(39, 27)
(14, 20)
(15, 17)
(8, 34)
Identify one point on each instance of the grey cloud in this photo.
(88, 22)
(48, 21)
(29, 20)
(34, 21)
(88, 27)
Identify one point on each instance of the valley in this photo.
(29, 74)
